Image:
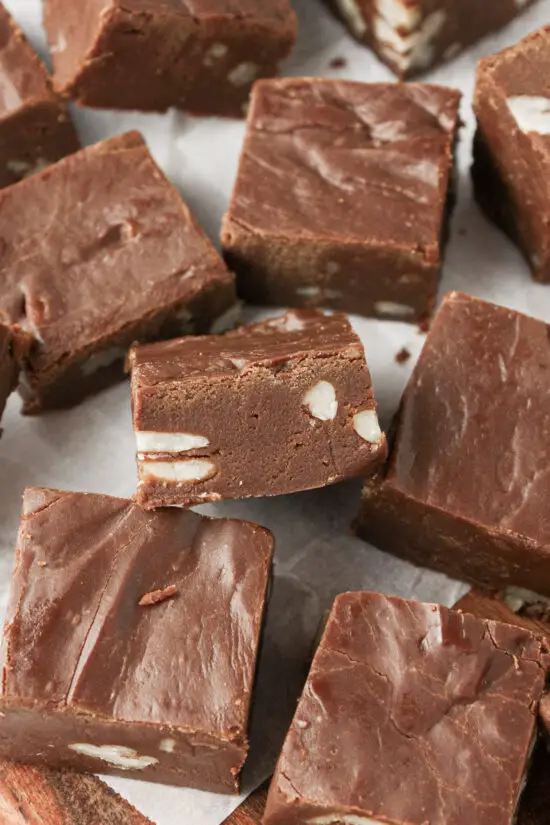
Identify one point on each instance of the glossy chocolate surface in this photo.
(411, 713)
(94, 669)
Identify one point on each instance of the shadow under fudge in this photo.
(99, 251)
(131, 640)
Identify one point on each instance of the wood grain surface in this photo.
(535, 804)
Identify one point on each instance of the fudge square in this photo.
(99, 251)
(411, 36)
(466, 486)
(35, 128)
(411, 713)
(131, 640)
(276, 407)
(343, 195)
(198, 55)
(512, 146)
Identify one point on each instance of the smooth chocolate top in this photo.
(474, 426)
(357, 162)
(411, 713)
(96, 243)
(266, 343)
(23, 77)
(77, 638)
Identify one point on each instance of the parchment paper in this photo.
(91, 448)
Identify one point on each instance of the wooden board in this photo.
(535, 805)
(40, 796)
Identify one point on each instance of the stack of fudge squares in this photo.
(133, 630)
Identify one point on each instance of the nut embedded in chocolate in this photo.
(159, 693)
(466, 486)
(511, 149)
(276, 407)
(343, 195)
(411, 713)
(411, 36)
(158, 596)
(99, 251)
(199, 55)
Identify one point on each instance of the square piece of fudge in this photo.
(99, 251)
(131, 640)
(412, 36)
(276, 407)
(35, 128)
(411, 713)
(512, 146)
(466, 486)
(343, 195)
(199, 55)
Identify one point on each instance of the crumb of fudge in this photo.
(157, 596)
(338, 63)
(402, 356)
(424, 326)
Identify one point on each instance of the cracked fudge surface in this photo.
(411, 713)
(99, 251)
(276, 407)
(411, 36)
(35, 128)
(199, 55)
(97, 679)
(466, 487)
(512, 146)
(342, 196)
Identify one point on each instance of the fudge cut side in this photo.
(412, 37)
(131, 640)
(466, 484)
(200, 55)
(343, 196)
(411, 713)
(512, 147)
(99, 251)
(35, 128)
(276, 407)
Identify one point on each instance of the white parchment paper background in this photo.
(91, 448)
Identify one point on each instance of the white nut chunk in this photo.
(119, 756)
(167, 745)
(321, 401)
(352, 14)
(366, 426)
(390, 308)
(531, 113)
(177, 472)
(156, 442)
(344, 819)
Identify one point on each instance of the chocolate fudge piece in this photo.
(467, 481)
(35, 128)
(197, 55)
(411, 713)
(41, 796)
(131, 640)
(411, 36)
(342, 196)
(276, 407)
(99, 251)
(512, 146)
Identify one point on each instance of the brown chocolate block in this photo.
(342, 196)
(512, 146)
(411, 36)
(35, 128)
(466, 484)
(92, 680)
(99, 251)
(197, 55)
(412, 713)
(276, 407)
(42, 796)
